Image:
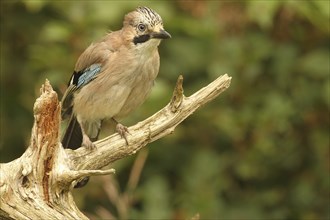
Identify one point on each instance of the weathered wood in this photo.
(38, 185)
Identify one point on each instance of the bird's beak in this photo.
(162, 34)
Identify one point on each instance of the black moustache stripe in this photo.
(141, 39)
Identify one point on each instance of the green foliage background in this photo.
(259, 151)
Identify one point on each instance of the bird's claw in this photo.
(86, 142)
(122, 131)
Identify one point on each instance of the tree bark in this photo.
(38, 185)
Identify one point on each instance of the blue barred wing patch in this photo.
(85, 76)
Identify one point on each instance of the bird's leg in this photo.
(86, 142)
(122, 130)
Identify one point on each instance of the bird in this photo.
(112, 78)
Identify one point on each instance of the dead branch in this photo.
(38, 185)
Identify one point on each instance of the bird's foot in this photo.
(122, 131)
(86, 142)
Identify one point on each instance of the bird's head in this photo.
(145, 27)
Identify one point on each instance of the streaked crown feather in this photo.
(144, 14)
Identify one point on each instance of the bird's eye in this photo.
(142, 27)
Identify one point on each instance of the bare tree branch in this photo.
(156, 126)
(38, 185)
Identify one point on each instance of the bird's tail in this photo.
(73, 139)
(73, 136)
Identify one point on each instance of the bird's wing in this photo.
(88, 66)
(77, 81)
(85, 76)
(67, 100)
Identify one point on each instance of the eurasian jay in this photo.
(112, 77)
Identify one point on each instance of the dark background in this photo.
(259, 151)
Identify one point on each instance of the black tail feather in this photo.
(73, 136)
(72, 139)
